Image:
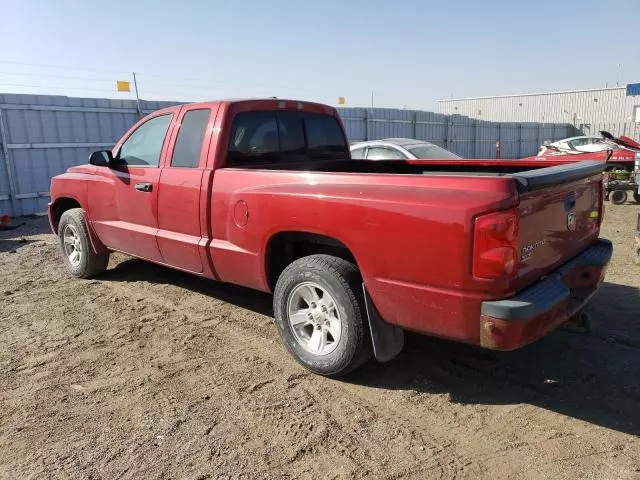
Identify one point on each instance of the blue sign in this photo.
(633, 89)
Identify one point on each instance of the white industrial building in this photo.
(590, 110)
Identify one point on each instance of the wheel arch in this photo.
(284, 247)
(287, 246)
(59, 206)
(68, 202)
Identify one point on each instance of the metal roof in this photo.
(532, 94)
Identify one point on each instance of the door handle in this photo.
(144, 187)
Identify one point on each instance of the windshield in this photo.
(429, 150)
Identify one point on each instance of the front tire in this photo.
(319, 312)
(78, 254)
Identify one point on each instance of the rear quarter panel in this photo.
(410, 235)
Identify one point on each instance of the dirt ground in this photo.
(150, 373)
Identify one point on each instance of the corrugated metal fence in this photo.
(43, 135)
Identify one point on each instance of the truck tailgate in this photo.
(559, 216)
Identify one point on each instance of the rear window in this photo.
(285, 137)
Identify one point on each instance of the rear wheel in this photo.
(618, 197)
(319, 312)
(77, 251)
(636, 196)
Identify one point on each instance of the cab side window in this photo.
(186, 153)
(144, 146)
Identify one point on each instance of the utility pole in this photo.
(135, 86)
(371, 100)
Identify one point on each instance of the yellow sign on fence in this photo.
(341, 101)
(123, 86)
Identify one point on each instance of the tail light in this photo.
(495, 245)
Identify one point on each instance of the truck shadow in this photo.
(591, 376)
(133, 270)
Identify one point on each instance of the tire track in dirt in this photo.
(341, 440)
(480, 446)
(451, 465)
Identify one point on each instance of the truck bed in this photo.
(528, 174)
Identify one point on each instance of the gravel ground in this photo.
(150, 373)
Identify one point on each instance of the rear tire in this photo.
(302, 292)
(636, 196)
(78, 254)
(618, 197)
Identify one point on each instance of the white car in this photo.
(583, 144)
(399, 149)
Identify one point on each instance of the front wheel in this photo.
(76, 247)
(319, 312)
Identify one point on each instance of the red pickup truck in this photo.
(263, 193)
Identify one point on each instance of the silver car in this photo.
(399, 149)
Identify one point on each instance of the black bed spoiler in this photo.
(546, 177)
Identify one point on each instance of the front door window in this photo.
(144, 146)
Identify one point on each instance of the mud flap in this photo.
(387, 339)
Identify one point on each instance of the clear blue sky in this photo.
(408, 52)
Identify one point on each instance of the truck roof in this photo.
(264, 104)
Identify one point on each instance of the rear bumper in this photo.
(535, 311)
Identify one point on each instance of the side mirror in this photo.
(101, 158)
